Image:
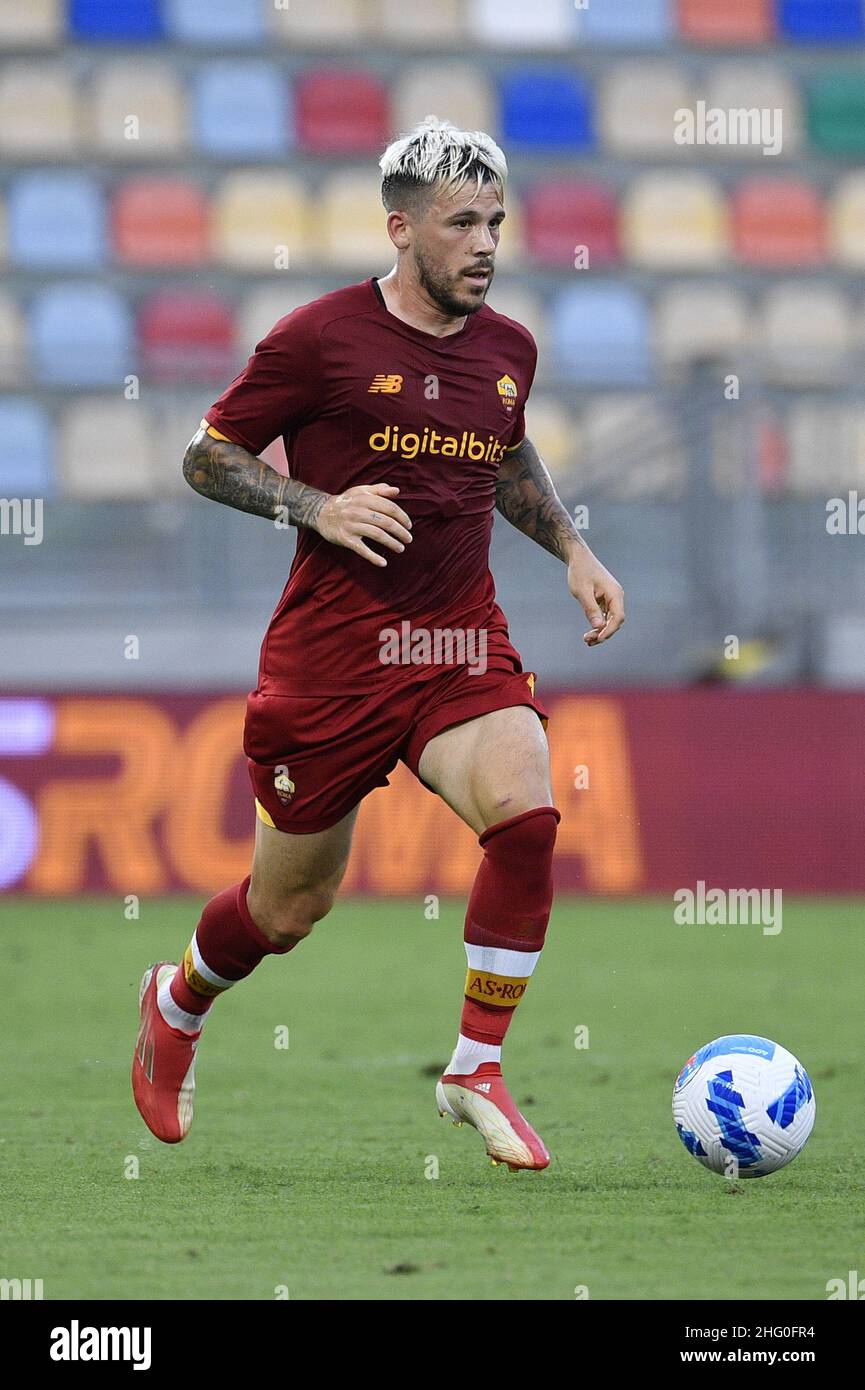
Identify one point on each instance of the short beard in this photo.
(441, 294)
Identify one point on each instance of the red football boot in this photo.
(482, 1100)
(163, 1067)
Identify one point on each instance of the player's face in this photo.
(454, 248)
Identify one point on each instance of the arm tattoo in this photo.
(526, 497)
(227, 473)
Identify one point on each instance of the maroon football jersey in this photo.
(361, 397)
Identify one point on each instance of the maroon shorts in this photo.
(313, 757)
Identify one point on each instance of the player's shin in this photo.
(506, 924)
(226, 947)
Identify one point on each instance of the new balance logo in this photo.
(388, 384)
(484, 1086)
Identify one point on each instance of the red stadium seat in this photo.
(160, 222)
(779, 222)
(561, 216)
(342, 113)
(186, 336)
(730, 22)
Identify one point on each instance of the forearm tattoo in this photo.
(230, 474)
(526, 497)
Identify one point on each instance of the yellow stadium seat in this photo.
(760, 87)
(517, 301)
(552, 428)
(700, 321)
(148, 91)
(675, 220)
(807, 335)
(105, 449)
(846, 221)
(350, 224)
(419, 26)
(811, 467)
(457, 92)
(263, 307)
(13, 343)
(320, 23)
(637, 102)
(260, 222)
(39, 110)
(26, 25)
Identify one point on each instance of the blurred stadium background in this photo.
(177, 174)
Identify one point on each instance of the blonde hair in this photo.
(436, 156)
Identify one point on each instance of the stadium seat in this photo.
(14, 367)
(846, 218)
(514, 24)
(836, 112)
(39, 22)
(629, 449)
(552, 428)
(422, 26)
(822, 21)
(458, 92)
(640, 23)
(265, 306)
(699, 321)
(240, 109)
(186, 335)
(637, 102)
(122, 21)
(160, 221)
(321, 23)
(807, 335)
(826, 447)
(218, 23)
(778, 222)
(543, 110)
(516, 301)
(674, 220)
(104, 450)
(55, 220)
(350, 224)
(733, 23)
(254, 215)
(150, 90)
(341, 112)
(39, 111)
(760, 87)
(81, 335)
(600, 336)
(561, 216)
(26, 449)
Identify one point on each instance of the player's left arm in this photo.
(526, 497)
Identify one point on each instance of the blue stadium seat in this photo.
(26, 449)
(123, 20)
(827, 21)
(56, 219)
(214, 21)
(240, 109)
(547, 110)
(600, 336)
(638, 22)
(81, 335)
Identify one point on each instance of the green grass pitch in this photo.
(307, 1167)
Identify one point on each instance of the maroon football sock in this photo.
(508, 910)
(226, 947)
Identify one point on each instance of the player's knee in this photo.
(289, 917)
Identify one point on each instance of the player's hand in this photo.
(363, 513)
(602, 596)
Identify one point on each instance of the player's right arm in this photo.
(226, 472)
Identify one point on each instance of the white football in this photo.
(743, 1106)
